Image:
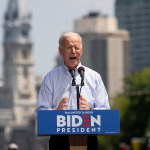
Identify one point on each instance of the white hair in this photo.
(68, 34)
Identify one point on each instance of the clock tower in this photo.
(19, 77)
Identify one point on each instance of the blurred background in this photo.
(116, 35)
(49, 21)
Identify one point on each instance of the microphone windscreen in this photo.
(72, 72)
(81, 71)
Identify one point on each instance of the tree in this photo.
(137, 91)
(134, 105)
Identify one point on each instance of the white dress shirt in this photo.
(57, 84)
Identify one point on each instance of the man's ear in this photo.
(60, 51)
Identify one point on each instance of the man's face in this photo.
(71, 51)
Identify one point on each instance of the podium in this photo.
(78, 124)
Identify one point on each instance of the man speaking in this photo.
(60, 90)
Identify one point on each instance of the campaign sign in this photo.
(60, 122)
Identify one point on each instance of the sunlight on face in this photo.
(71, 50)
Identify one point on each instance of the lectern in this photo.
(78, 124)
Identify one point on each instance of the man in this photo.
(57, 92)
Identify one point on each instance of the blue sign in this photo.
(62, 122)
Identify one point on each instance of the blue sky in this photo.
(49, 19)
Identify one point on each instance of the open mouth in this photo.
(73, 58)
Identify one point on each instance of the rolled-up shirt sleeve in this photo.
(45, 96)
(101, 96)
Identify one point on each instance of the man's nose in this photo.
(73, 50)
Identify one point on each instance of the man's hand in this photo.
(84, 105)
(63, 104)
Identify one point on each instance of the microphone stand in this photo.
(78, 90)
(78, 96)
(82, 139)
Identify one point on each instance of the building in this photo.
(106, 49)
(18, 89)
(133, 15)
(19, 77)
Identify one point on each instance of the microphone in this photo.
(72, 72)
(81, 71)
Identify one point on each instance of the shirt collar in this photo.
(66, 69)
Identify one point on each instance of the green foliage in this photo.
(112, 142)
(134, 105)
(108, 142)
(136, 117)
(139, 81)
